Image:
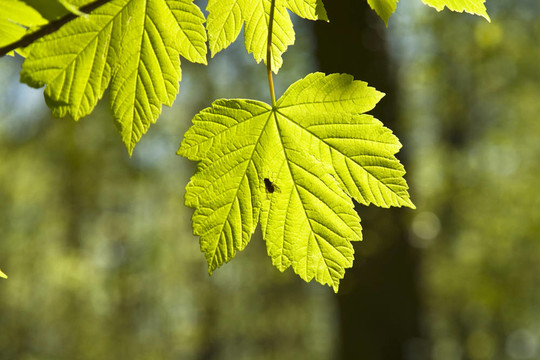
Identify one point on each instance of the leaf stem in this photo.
(49, 28)
(269, 53)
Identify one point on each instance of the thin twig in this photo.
(49, 28)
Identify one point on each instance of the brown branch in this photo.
(49, 28)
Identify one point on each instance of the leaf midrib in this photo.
(312, 232)
(248, 162)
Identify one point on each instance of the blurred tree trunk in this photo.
(379, 305)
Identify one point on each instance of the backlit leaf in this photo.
(475, 7)
(131, 45)
(15, 19)
(226, 18)
(318, 149)
(385, 8)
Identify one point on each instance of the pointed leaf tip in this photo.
(383, 8)
(474, 7)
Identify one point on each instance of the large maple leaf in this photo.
(295, 167)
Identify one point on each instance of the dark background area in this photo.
(98, 246)
(379, 305)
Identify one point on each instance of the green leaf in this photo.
(131, 45)
(15, 19)
(226, 18)
(308, 9)
(383, 8)
(2, 275)
(475, 7)
(316, 148)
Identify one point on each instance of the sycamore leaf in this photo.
(226, 18)
(15, 19)
(475, 7)
(294, 167)
(2, 275)
(131, 45)
(385, 8)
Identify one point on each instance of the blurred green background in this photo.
(102, 263)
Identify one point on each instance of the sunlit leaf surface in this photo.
(296, 168)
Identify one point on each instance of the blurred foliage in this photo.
(98, 246)
(99, 251)
(471, 103)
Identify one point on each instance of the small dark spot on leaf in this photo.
(270, 187)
